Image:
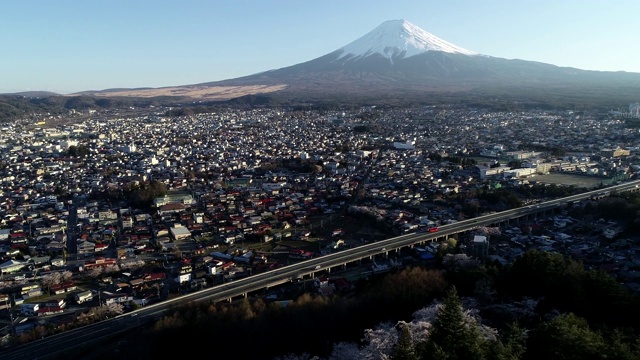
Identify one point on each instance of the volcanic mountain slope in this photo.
(396, 52)
(399, 56)
(398, 59)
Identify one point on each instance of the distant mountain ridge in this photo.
(34, 94)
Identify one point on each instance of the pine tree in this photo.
(404, 348)
(510, 346)
(453, 334)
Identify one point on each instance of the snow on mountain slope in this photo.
(398, 38)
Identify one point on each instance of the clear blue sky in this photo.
(67, 46)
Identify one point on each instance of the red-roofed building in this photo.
(49, 310)
(171, 208)
(63, 288)
(99, 262)
(101, 247)
(154, 276)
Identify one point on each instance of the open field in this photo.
(569, 179)
(195, 92)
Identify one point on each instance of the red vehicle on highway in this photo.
(432, 229)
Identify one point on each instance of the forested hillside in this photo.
(543, 306)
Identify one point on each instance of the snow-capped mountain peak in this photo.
(399, 38)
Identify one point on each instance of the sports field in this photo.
(569, 179)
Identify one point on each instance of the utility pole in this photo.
(12, 330)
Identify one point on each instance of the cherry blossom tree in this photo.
(101, 312)
(303, 356)
(5, 285)
(67, 275)
(51, 279)
(114, 309)
(459, 261)
(488, 231)
(95, 272)
(132, 264)
(378, 214)
(344, 351)
(379, 342)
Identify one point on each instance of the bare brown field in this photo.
(569, 179)
(196, 92)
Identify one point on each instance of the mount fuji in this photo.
(398, 62)
(398, 39)
(396, 52)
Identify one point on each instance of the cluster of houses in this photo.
(604, 247)
(261, 174)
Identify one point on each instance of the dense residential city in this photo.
(102, 214)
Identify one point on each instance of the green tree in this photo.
(620, 346)
(60, 191)
(515, 164)
(537, 273)
(453, 334)
(404, 348)
(360, 128)
(142, 195)
(133, 305)
(566, 337)
(511, 344)
(79, 151)
(408, 289)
